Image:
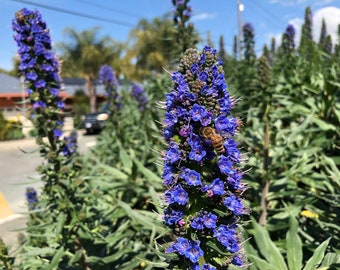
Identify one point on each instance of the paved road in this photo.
(18, 171)
(18, 168)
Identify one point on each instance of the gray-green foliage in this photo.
(131, 128)
(123, 169)
(307, 135)
(127, 197)
(292, 134)
(302, 160)
(288, 254)
(106, 213)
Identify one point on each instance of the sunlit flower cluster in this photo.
(202, 174)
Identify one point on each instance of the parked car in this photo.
(95, 122)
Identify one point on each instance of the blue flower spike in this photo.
(202, 166)
(40, 69)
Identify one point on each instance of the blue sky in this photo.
(117, 18)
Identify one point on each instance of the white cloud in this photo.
(203, 16)
(332, 20)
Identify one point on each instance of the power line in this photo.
(76, 13)
(109, 8)
(274, 18)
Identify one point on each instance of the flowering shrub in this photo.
(185, 31)
(202, 173)
(40, 67)
(138, 93)
(54, 221)
(108, 78)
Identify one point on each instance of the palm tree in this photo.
(84, 55)
(152, 45)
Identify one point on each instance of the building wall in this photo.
(11, 94)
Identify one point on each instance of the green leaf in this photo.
(135, 263)
(116, 237)
(125, 158)
(163, 265)
(75, 257)
(260, 263)
(46, 251)
(56, 259)
(116, 256)
(116, 173)
(294, 245)
(61, 223)
(147, 173)
(317, 257)
(155, 199)
(268, 248)
(216, 248)
(322, 124)
(333, 170)
(252, 253)
(331, 259)
(298, 129)
(140, 219)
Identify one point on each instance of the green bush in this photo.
(10, 129)
(263, 253)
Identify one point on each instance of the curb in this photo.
(10, 218)
(4, 206)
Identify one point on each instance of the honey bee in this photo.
(19, 16)
(216, 139)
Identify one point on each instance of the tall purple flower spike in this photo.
(202, 171)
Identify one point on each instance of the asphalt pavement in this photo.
(15, 166)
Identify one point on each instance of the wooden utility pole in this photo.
(240, 8)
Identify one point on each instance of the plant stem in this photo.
(265, 181)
